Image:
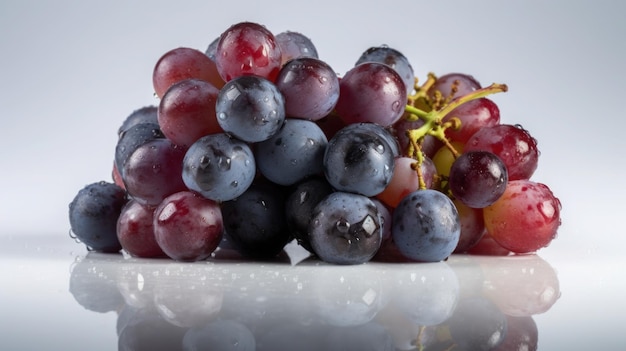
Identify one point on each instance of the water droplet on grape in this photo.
(234, 184)
(369, 226)
(222, 115)
(342, 226)
(223, 163)
(395, 106)
(204, 161)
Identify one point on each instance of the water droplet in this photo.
(342, 226)
(395, 106)
(222, 115)
(293, 161)
(223, 163)
(369, 225)
(204, 161)
(234, 184)
(380, 148)
(303, 197)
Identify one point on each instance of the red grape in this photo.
(472, 226)
(248, 48)
(183, 63)
(135, 231)
(525, 218)
(513, 144)
(474, 115)
(453, 85)
(187, 111)
(188, 227)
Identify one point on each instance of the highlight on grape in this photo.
(257, 142)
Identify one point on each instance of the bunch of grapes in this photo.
(257, 142)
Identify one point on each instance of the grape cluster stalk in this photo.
(257, 142)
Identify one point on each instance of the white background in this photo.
(70, 72)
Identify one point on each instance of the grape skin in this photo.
(345, 228)
(394, 59)
(188, 227)
(295, 45)
(463, 84)
(146, 114)
(132, 138)
(426, 226)
(474, 115)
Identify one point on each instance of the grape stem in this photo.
(433, 119)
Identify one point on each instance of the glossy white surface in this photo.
(56, 295)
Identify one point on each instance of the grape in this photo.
(250, 108)
(426, 226)
(394, 59)
(211, 50)
(248, 48)
(453, 85)
(146, 114)
(135, 230)
(183, 63)
(299, 206)
(488, 247)
(294, 153)
(295, 45)
(310, 88)
(512, 144)
(379, 130)
(345, 228)
(154, 171)
(187, 111)
(359, 160)
(255, 221)
(478, 178)
(525, 218)
(405, 179)
(444, 158)
(187, 226)
(474, 115)
(371, 92)
(133, 138)
(219, 167)
(472, 226)
(93, 215)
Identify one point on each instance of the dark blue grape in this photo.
(345, 228)
(93, 215)
(300, 204)
(147, 114)
(132, 138)
(383, 132)
(478, 178)
(294, 153)
(393, 58)
(212, 49)
(219, 167)
(255, 221)
(426, 226)
(251, 108)
(359, 160)
(294, 45)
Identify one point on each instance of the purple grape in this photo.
(371, 92)
(310, 87)
(146, 114)
(394, 59)
(132, 138)
(295, 45)
(345, 228)
(478, 178)
(453, 85)
(426, 226)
